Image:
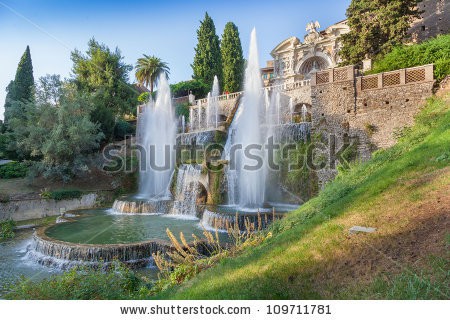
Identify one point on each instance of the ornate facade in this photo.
(295, 60)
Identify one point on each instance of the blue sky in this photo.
(166, 29)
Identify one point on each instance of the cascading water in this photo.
(199, 115)
(158, 140)
(187, 190)
(247, 132)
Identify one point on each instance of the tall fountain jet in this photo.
(158, 141)
(251, 174)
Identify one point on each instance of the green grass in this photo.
(293, 264)
(436, 50)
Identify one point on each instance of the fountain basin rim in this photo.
(40, 233)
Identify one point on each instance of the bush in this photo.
(64, 194)
(7, 229)
(435, 51)
(198, 88)
(144, 97)
(13, 170)
(122, 129)
(117, 282)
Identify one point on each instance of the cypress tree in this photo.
(21, 89)
(376, 26)
(24, 81)
(232, 58)
(207, 59)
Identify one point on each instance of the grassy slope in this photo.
(404, 192)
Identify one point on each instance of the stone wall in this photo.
(39, 208)
(367, 109)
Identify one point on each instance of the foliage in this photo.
(7, 146)
(148, 70)
(22, 88)
(102, 116)
(49, 89)
(60, 137)
(8, 101)
(436, 51)
(117, 282)
(13, 170)
(232, 59)
(102, 72)
(207, 60)
(197, 87)
(376, 26)
(122, 129)
(182, 109)
(144, 97)
(188, 259)
(62, 194)
(295, 175)
(7, 229)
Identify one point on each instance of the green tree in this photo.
(22, 88)
(60, 139)
(376, 26)
(24, 80)
(232, 58)
(49, 89)
(207, 59)
(102, 71)
(148, 70)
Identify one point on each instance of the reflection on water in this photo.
(102, 227)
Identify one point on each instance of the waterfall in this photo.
(187, 188)
(183, 124)
(158, 141)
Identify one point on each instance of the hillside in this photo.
(403, 191)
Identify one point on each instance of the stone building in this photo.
(434, 20)
(295, 60)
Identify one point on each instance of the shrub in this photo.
(435, 51)
(122, 129)
(13, 170)
(64, 194)
(144, 97)
(7, 229)
(198, 88)
(117, 282)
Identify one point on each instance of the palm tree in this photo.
(147, 70)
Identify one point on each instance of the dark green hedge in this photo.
(13, 170)
(65, 194)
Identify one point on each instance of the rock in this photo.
(61, 220)
(356, 229)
